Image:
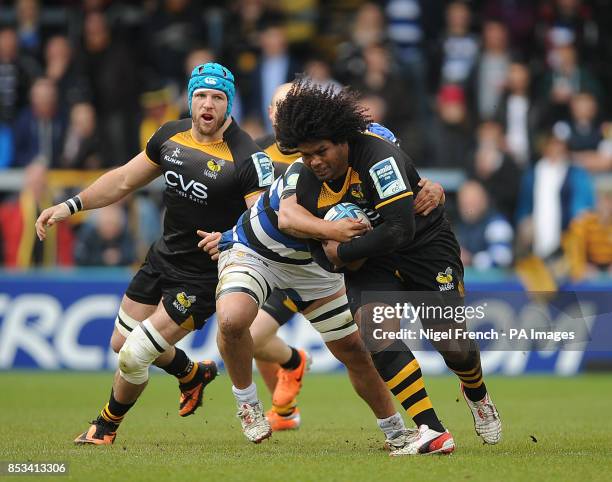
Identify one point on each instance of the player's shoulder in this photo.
(265, 142)
(367, 150)
(239, 142)
(170, 128)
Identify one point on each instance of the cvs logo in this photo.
(196, 189)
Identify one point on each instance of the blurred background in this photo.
(506, 103)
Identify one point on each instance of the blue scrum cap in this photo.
(212, 76)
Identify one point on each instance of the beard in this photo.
(206, 129)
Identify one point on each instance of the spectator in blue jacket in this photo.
(485, 235)
(40, 128)
(552, 194)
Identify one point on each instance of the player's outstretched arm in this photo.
(107, 189)
(297, 221)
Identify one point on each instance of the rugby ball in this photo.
(347, 210)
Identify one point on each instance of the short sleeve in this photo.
(290, 179)
(255, 173)
(153, 147)
(165, 132)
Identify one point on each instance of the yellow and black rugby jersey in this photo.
(206, 187)
(280, 160)
(380, 177)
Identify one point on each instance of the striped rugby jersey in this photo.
(258, 230)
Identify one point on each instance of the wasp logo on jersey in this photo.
(183, 302)
(445, 279)
(214, 166)
(356, 191)
(387, 178)
(264, 167)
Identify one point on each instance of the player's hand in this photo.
(210, 243)
(429, 198)
(49, 217)
(345, 229)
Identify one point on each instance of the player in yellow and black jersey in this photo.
(401, 253)
(212, 170)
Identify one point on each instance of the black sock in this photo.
(294, 361)
(180, 366)
(470, 374)
(114, 411)
(401, 372)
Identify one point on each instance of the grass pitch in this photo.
(554, 429)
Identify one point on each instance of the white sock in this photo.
(246, 395)
(391, 425)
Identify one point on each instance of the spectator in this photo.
(380, 78)
(105, 240)
(519, 17)
(519, 115)
(568, 22)
(485, 236)
(495, 170)
(588, 243)
(158, 109)
(410, 25)
(171, 32)
(563, 79)
(488, 78)
(368, 29)
(319, 72)
(40, 129)
(28, 28)
(17, 217)
(375, 106)
(111, 73)
(61, 68)
(82, 149)
(241, 33)
(584, 134)
(275, 66)
(552, 194)
(14, 86)
(458, 50)
(16, 74)
(450, 135)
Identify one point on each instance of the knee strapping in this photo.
(333, 319)
(140, 349)
(125, 323)
(243, 280)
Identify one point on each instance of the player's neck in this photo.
(214, 137)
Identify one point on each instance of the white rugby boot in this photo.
(487, 423)
(425, 441)
(255, 425)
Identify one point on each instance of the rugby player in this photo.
(285, 382)
(212, 169)
(256, 257)
(401, 253)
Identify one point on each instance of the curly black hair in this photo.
(312, 113)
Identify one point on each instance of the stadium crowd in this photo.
(511, 94)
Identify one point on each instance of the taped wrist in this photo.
(74, 204)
